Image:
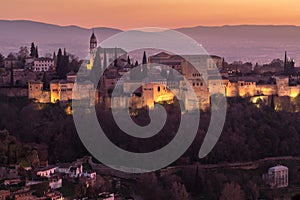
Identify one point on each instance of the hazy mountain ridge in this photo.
(256, 43)
(48, 37)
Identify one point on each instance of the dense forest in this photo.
(249, 133)
(47, 125)
(32, 132)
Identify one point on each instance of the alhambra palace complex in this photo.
(159, 90)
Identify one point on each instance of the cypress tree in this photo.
(32, 50)
(59, 63)
(59, 54)
(36, 52)
(62, 64)
(144, 69)
(66, 63)
(144, 58)
(128, 61)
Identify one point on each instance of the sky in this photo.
(129, 14)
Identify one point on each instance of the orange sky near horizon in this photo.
(128, 14)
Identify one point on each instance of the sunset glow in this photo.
(168, 13)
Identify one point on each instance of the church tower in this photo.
(93, 42)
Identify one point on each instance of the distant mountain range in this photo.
(249, 42)
(48, 37)
(245, 42)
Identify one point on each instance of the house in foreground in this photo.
(277, 177)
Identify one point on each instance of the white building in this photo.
(277, 177)
(43, 64)
(47, 171)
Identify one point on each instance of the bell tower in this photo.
(93, 42)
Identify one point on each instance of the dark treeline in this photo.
(46, 124)
(249, 133)
(252, 133)
(40, 132)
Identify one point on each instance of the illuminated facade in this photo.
(215, 84)
(156, 93)
(163, 89)
(36, 92)
(60, 91)
(240, 88)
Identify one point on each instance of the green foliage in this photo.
(232, 191)
(68, 188)
(86, 167)
(144, 58)
(40, 189)
(47, 128)
(74, 63)
(1, 60)
(22, 54)
(62, 64)
(34, 51)
(128, 60)
(250, 133)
